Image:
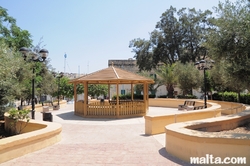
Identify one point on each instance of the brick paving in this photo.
(99, 142)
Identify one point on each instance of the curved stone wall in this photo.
(156, 124)
(37, 135)
(183, 140)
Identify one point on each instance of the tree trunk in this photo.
(170, 89)
(238, 97)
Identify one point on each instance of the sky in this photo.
(91, 32)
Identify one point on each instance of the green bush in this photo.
(231, 97)
(245, 98)
(186, 97)
(151, 96)
(162, 96)
(217, 96)
(128, 97)
(16, 116)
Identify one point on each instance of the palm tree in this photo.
(167, 77)
(152, 87)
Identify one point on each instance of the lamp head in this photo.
(202, 63)
(44, 53)
(25, 51)
(196, 63)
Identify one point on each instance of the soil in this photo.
(245, 129)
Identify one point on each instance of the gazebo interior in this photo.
(107, 108)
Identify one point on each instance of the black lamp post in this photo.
(33, 57)
(204, 65)
(58, 97)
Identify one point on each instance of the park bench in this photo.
(47, 103)
(188, 105)
(198, 107)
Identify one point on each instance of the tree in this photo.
(188, 77)
(12, 69)
(41, 73)
(97, 90)
(152, 87)
(229, 42)
(168, 78)
(138, 88)
(11, 34)
(66, 89)
(45, 81)
(173, 39)
(194, 27)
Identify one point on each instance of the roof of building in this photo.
(112, 75)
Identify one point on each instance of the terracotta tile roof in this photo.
(112, 75)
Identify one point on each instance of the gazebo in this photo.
(111, 108)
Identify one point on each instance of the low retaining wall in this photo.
(39, 107)
(228, 108)
(172, 103)
(156, 124)
(183, 142)
(36, 135)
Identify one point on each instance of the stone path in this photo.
(100, 142)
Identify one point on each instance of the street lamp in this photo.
(33, 57)
(59, 76)
(204, 65)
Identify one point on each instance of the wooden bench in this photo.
(47, 103)
(188, 105)
(198, 107)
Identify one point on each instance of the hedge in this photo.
(186, 97)
(128, 96)
(232, 97)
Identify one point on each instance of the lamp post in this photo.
(204, 65)
(58, 97)
(31, 56)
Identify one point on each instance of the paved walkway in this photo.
(101, 142)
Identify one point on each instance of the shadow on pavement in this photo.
(168, 156)
(145, 135)
(72, 116)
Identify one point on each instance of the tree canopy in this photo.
(178, 36)
(189, 35)
(228, 43)
(188, 77)
(11, 34)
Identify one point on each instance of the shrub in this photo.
(128, 96)
(15, 116)
(151, 96)
(217, 96)
(186, 97)
(162, 96)
(231, 97)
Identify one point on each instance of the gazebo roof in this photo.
(112, 75)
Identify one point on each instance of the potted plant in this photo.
(16, 121)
